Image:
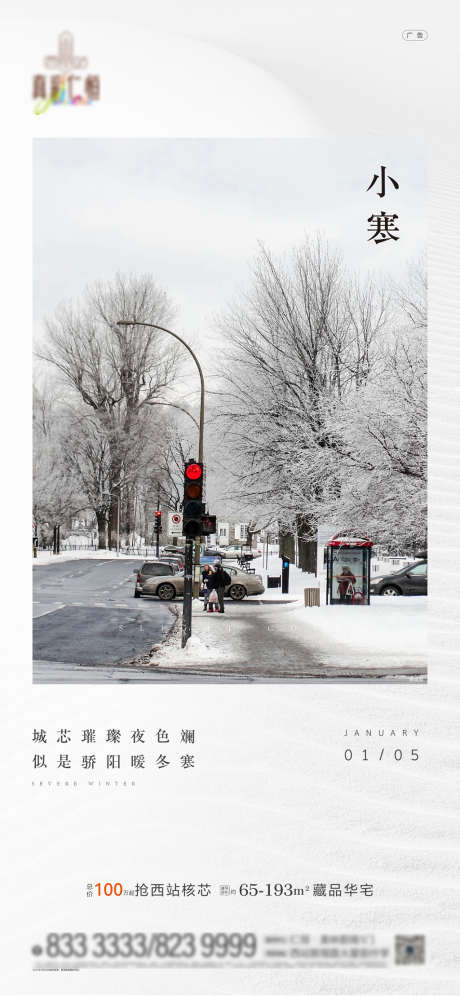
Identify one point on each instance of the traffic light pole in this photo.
(197, 558)
(157, 532)
(188, 593)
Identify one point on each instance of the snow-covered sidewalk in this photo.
(255, 641)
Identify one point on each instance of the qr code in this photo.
(410, 950)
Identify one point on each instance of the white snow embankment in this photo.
(397, 625)
(46, 557)
(198, 649)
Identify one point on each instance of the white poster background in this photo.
(271, 798)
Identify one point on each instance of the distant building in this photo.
(223, 533)
(241, 531)
(234, 534)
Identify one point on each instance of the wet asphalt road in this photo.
(85, 615)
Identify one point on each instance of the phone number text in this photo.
(141, 945)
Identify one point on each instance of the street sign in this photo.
(174, 523)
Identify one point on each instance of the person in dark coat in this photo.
(205, 587)
(220, 581)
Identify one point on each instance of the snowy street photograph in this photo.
(261, 639)
(229, 411)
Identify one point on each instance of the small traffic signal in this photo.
(193, 499)
(208, 525)
(158, 521)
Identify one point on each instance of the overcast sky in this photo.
(191, 212)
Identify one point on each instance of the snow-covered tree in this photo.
(57, 495)
(116, 374)
(325, 399)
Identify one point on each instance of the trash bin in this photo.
(311, 596)
(274, 582)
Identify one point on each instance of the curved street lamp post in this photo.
(188, 566)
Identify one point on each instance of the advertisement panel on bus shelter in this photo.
(348, 570)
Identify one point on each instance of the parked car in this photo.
(232, 552)
(411, 580)
(209, 556)
(176, 559)
(153, 569)
(173, 549)
(167, 588)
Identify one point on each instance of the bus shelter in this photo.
(348, 570)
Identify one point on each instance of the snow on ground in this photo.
(387, 624)
(198, 649)
(46, 557)
(298, 580)
(267, 641)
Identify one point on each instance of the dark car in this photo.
(153, 569)
(411, 580)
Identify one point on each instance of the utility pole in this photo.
(157, 527)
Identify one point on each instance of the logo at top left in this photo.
(66, 81)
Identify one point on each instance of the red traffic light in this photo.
(194, 471)
(158, 514)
